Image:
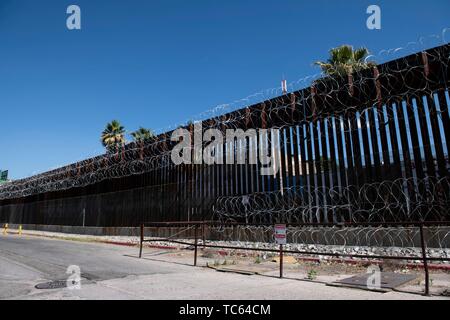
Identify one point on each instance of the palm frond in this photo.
(113, 135)
(344, 60)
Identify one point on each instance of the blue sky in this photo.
(158, 63)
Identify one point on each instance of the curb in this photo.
(441, 267)
(116, 243)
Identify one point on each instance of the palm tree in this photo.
(345, 60)
(142, 135)
(113, 136)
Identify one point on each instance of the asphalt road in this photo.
(27, 261)
(115, 272)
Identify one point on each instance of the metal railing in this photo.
(197, 225)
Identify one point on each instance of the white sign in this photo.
(280, 233)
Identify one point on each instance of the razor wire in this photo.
(365, 240)
(324, 100)
(386, 201)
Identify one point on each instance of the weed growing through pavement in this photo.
(312, 274)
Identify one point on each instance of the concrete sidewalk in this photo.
(115, 272)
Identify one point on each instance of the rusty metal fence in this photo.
(369, 146)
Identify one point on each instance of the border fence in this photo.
(370, 146)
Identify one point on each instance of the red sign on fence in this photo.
(280, 233)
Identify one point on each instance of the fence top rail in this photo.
(345, 224)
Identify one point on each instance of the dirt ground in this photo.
(298, 267)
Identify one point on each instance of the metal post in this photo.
(195, 245)
(281, 261)
(203, 234)
(425, 261)
(203, 221)
(142, 240)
